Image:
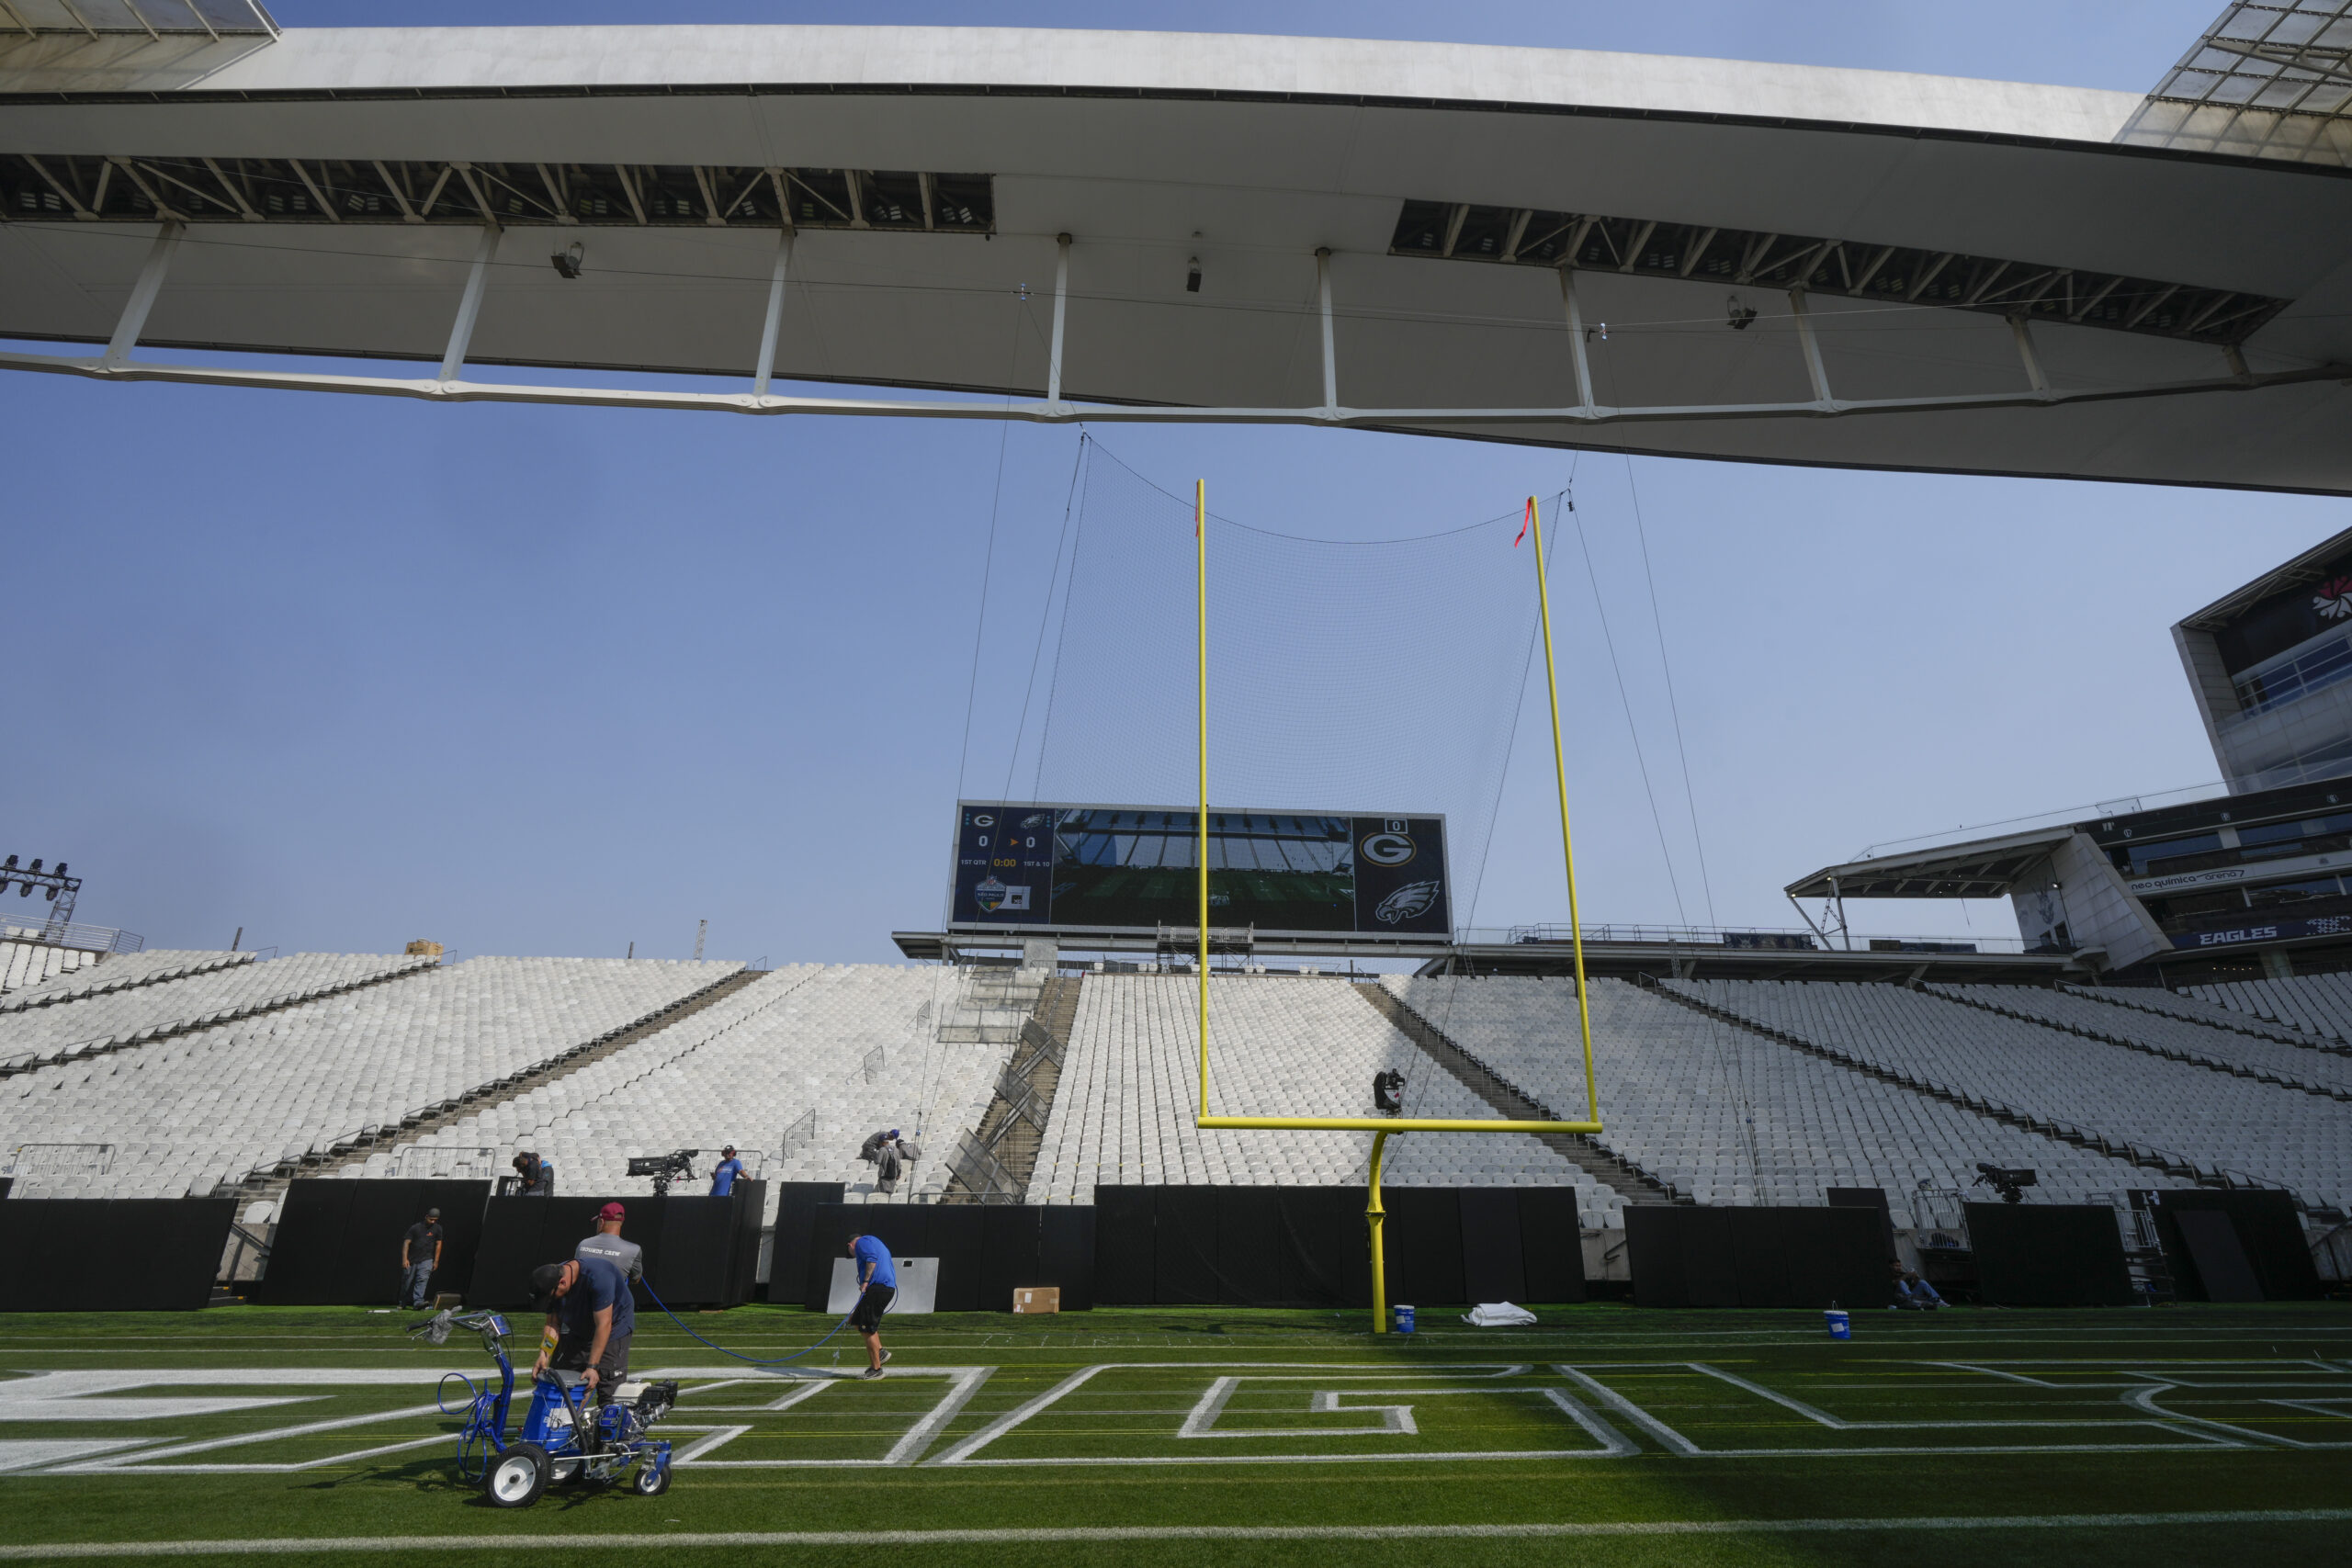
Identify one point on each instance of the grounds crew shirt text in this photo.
(600, 1285)
(625, 1256)
(872, 1251)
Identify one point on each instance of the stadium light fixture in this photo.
(566, 261)
(1193, 278)
(1738, 316)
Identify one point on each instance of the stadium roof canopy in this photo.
(1986, 868)
(1682, 256)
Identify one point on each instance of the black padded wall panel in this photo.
(1422, 1243)
(1551, 1243)
(2048, 1255)
(1012, 1241)
(112, 1254)
(1185, 1254)
(1830, 1256)
(1249, 1244)
(1066, 1247)
(697, 1245)
(520, 1234)
(338, 1242)
(1492, 1268)
(1126, 1245)
(2268, 1231)
(1872, 1198)
(1764, 1272)
(796, 1211)
(1325, 1250)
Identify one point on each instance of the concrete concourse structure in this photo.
(1692, 257)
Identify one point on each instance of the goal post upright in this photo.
(1567, 840)
(1201, 602)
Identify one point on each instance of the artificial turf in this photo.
(1589, 1417)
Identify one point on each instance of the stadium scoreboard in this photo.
(1135, 868)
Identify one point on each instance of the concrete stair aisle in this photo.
(1636, 1185)
(1012, 1136)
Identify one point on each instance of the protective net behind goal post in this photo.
(1366, 675)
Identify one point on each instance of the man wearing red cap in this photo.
(606, 1242)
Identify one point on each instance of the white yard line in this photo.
(1092, 1534)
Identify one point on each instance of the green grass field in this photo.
(1604, 1434)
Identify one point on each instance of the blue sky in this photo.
(347, 671)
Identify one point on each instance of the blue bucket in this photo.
(1840, 1325)
(1402, 1317)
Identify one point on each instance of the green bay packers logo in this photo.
(1390, 847)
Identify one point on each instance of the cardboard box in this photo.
(1037, 1298)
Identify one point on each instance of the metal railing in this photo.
(1782, 939)
(75, 934)
(802, 1134)
(39, 1170)
(428, 1162)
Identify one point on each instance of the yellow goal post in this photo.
(1382, 1127)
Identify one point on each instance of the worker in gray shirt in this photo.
(606, 1242)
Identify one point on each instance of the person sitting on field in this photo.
(1911, 1291)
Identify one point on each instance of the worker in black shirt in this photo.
(420, 1256)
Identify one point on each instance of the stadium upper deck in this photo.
(1694, 256)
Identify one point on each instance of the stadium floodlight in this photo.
(566, 261)
(1383, 1127)
(1737, 316)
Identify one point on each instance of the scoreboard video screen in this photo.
(1134, 868)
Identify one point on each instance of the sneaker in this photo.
(870, 1373)
(886, 1358)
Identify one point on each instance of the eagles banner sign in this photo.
(1132, 868)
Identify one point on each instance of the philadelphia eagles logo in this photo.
(1413, 899)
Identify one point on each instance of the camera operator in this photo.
(535, 1176)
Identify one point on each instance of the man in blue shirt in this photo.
(723, 1175)
(590, 1320)
(878, 1283)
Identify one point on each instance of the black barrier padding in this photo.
(830, 1227)
(1326, 1246)
(1066, 1254)
(1185, 1270)
(338, 1242)
(2048, 1255)
(1492, 1266)
(1829, 1256)
(2222, 1267)
(795, 1211)
(1872, 1198)
(698, 1242)
(743, 1244)
(2268, 1230)
(1012, 1240)
(1551, 1243)
(1126, 1245)
(1764, 1272)
(112, 1254)
(1654, 1256)
(1681, 1257)
(1249, 1244)
(1421, 1243)
(520, 1234)
(957, 1239)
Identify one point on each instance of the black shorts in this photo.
(571, 1356)
(866, 1317)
